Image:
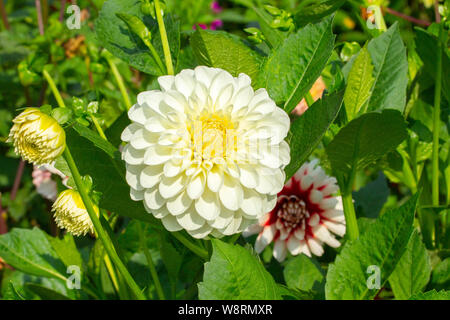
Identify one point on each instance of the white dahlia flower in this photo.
(71, 214)
(207, 152)
(37, 137)
(305, 216)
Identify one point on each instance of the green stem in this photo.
(156, 56)
(107, 243)
(164, 40)
(54, 89)
(151, 265)
(112, 272)
(350, 216)
(202, 253)
(436, 125)
(97, 126)
(120, 82)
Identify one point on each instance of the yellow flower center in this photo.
(213, 136)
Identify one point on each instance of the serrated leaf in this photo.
(66, 250)
(292, 68)
(366, 139)
(390, 71)
(359, 84)
(117, 38)
(31, 252)
(44, 292)
(303, 273)
(314, 11)
(235, 274)
(432, 295)
(381, 245)
(308, 129)
(413, 270)
(222, 50)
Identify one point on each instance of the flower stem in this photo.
(104, 237)
(151, 265)
(54, 89)
(98, 127)
(4, 15)
(119, 81)
(164, 40)
(350, 216)
(202, 253)
(436, 125)
(39, 17)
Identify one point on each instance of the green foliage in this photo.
(222, 50)
(390, 71)
(314, 11)
(31, 252)
(114, 35)
(359, 84)
(364, 140)
(381, 245)
(291, 69)
(304, 274)
(234, 273)
(310, 128)
(412, 272)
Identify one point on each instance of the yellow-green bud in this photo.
(37, 137)
(71, 214)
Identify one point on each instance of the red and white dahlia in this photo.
(305, 217)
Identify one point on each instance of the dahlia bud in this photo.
(71, 214)
(37, 137)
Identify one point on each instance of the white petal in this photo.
(129, 131)
(337, 228)
(252, 203)
(265, 238)
(314, 220)
(248, 176)
(150, 176)
(196, 186)
(171, 186)
(153, 199)
(136, 195)
(231, 194)
(208, 205)
(280, 250)
(132, 155)
(171, 223)
(294, 245)
(315, 247)
(166, 82)
(201, 232)
(190, 220)
(179, 204)
(224, 218)
(157, 155)
(321, 232)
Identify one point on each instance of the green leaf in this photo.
(432, 295)
(99, 159)
(390, 71)
(359, 84)
(413, 270)
(294, 66)
(440, 278)
(171, 258)
(370, 199)
(304, 274)
(426, 47)
(31, 252)
(308, 129)
(66, 250)
(222, 50)
(235, 274)
(316, 10)
(45, 293)
(381, 245)
(366, 139)
(117, 38)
